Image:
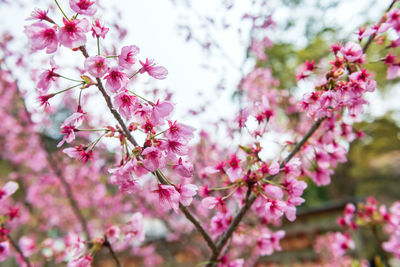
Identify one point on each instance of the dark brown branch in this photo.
(372, 36)
(250, 200)
(131, 139)
(199, 228)
(19, 251)
(107, 244)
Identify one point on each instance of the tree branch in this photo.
(250, 200)
(131, 139)
(70, 196)
(107, 244)
(19, 251)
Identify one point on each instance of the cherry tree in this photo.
(97, 191)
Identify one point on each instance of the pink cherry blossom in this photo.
(8, 189)
(186, 193)
(97, 66)
(184, 168)
(269, 242)
(28, 245)
(220, 223)
(79, 152)
(179, 130)
(40, 15)
(168, 197)
(45, 80)
(69, 126)
(72, 35)
(98, 30)
(352, 51)
(4, 250)
(234, 170)
(153, 159)
(127, 57)
(112, 233)
(116, 79)
(134, 230)
(42, 36)
(157, 72)
(83, 261)
(161, 110)
(126, 104)
(83, 7)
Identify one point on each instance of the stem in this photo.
(371, 37)
(113, 255)
(61, 10)
(144, 99)
(134, 74)
(19, 250)
(385, 258)
(98, 46)
(69, 88)
(69, 78)
(111, 56)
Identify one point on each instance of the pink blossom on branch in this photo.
(127, 57)
(97, 66)
(168, 197)
(73, 34)
(157, 72)
(42, 36)
(83, 7)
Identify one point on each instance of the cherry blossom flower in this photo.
(153, 159)
(42, 36)
(112, 233)
(72, 35)
(126, 103)
(179, 130)
(234, 170)
(157, 72)
(269, 242)
(134, 230)
(184, 168)
(186, 193)
(79, 152)
(40, 15)
(97, 66)
(69, 126)
(28, 245)
(44, 100)
(83, 261)
(352, 51)
(8, 189)
(160, 111)
(168, 197)
(83, 7)
(127, 57)
(98, 30)
(4, 250)
(116, 79)
(45, 80)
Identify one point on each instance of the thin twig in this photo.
(372, 36)
(70, 196)
(113, 255)
(19, 251)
